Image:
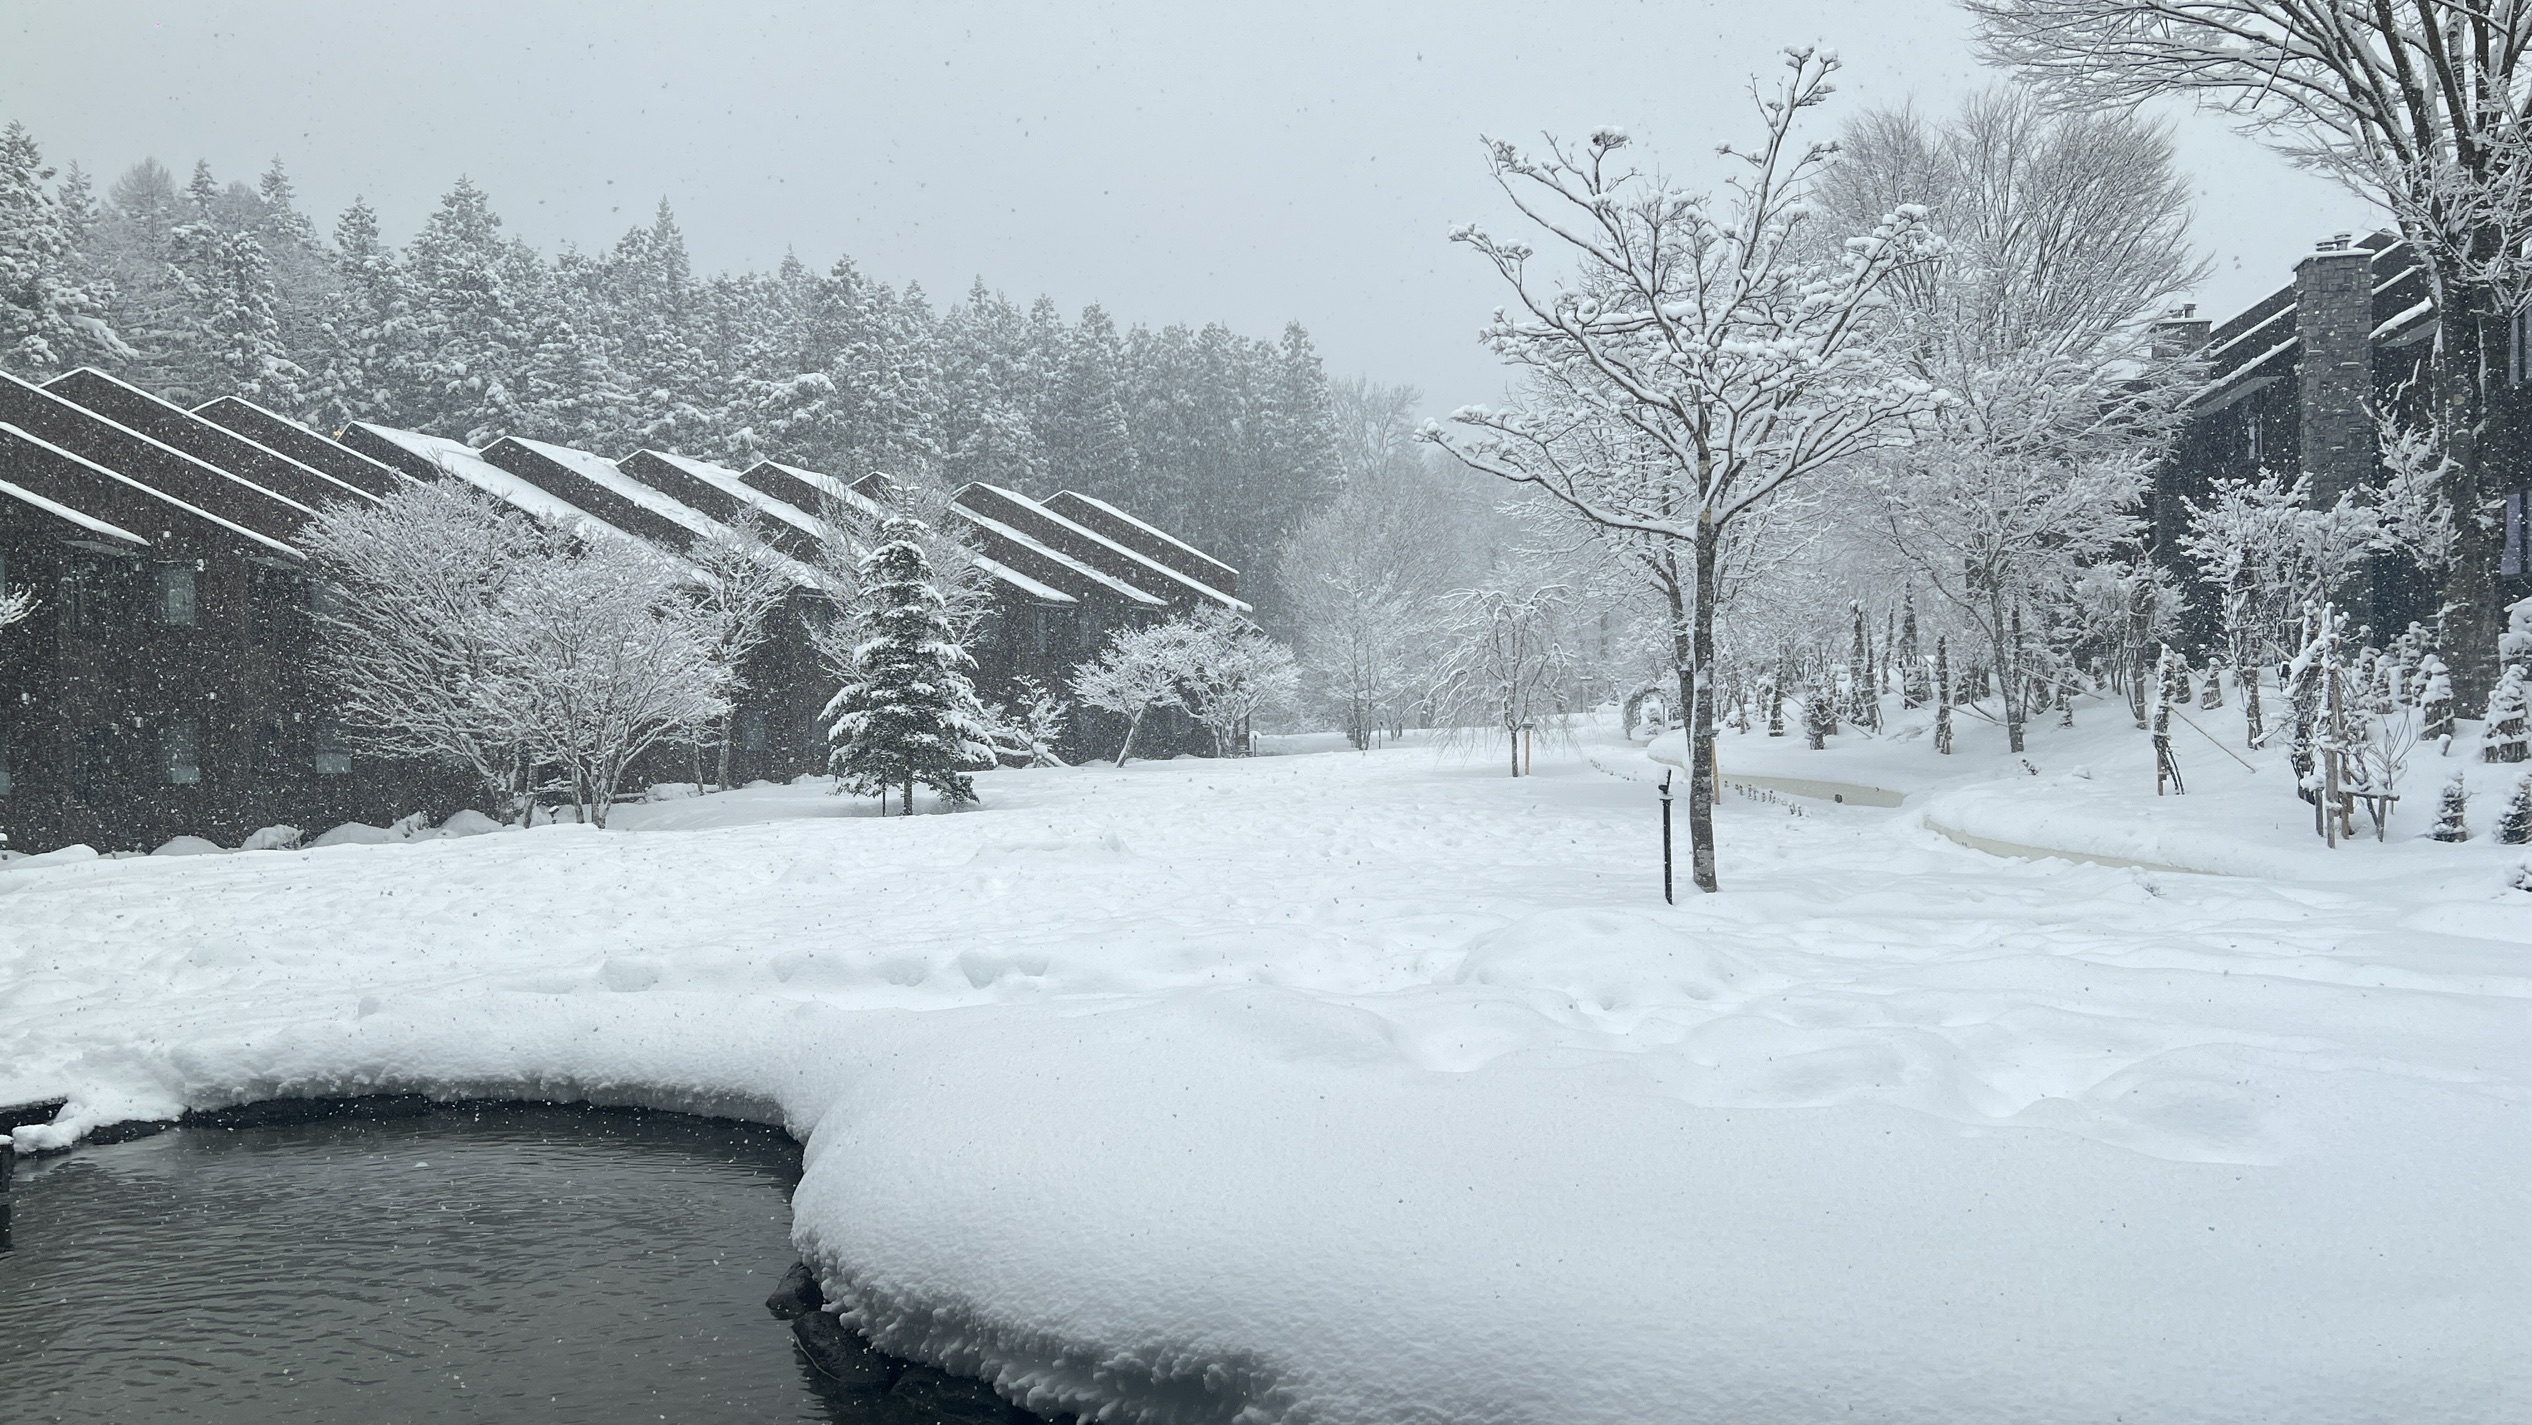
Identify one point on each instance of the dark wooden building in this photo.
(165, 684)
(2293, 386)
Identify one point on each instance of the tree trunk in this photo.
(907, 804)
(2479, 437)
(721, 775)
(1131, 724)
(1698, 690)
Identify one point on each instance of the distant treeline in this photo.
(208, 289)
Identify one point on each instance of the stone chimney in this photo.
(2334, 326)
(2181, 332)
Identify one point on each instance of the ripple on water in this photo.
(485, 1262)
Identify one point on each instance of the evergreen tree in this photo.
(1088, 445)
(366, 369)
(2452, 811)
(471, 292)
(1942, 696)
(2514, 824)
(2505, 736)
(2435, 701)
(907, 712)
(240, 336)
(151, 308)
(53, 314)
(1819, 717)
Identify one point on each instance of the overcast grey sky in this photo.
(1175, 162)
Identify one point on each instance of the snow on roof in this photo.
(1201, 589)
(829, 485)
(727, 481)
(2392, 325)
(460, 461)
(80, 518)
(153, 492)
(1023, 582)
(178, 411)
(997, 527)
(600, 471)
(1151, 529)
(147, 439)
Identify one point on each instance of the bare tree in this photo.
(2419, 107)
(1137, 672)
(745, 581)
(16, 605)
(458, 631)
(2063, 238)
(605, 658)
(1508, 663)
(410, 638)
(1719, 334)
(1232, 672)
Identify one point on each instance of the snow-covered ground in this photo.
(1333, 1087)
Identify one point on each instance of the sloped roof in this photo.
(1149, 571)
(459, 460)
(103, 472)
(207, 440)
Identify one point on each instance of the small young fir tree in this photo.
(2452, 812)
(2514, 824)
(907, 712)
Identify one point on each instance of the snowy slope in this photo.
(1344, 1088)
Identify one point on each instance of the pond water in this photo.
(496, 1262)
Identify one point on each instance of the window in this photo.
(2510, 563)
(174, 598)
(2255, 436)
(2519, 347)
(265, 756)
(751, 730)
(6, 782)
(332, 756)
(180, 752)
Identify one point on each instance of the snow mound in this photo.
(189, 846)
(273, 838)
(468, 823)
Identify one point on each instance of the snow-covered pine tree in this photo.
(471, 291)
(907, 712)
(2504, 736)
(1859, 670)
(1819, 716)
(2452, 812)
(2211, 693)
(2514, 824)
(52, 315)
(1912, 689)
(1776, 696)
(241, 335)
(2435, 703)
(1942, 695)
(367, 336)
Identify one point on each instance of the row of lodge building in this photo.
(2293, 385)
(165, 683)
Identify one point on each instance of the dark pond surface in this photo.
(475, 1263)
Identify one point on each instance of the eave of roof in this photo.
(58, 510)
